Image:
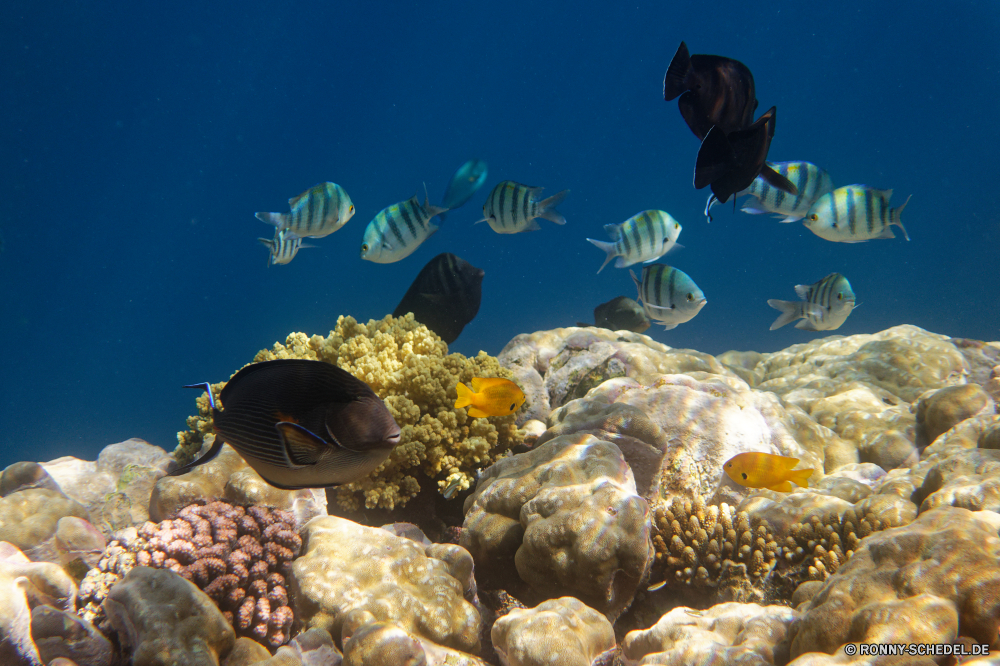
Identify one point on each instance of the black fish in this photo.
(445, 295)
(301, 424)
(718, 103)
(621, 314)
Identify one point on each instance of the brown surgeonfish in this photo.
(301, 424)
(444, 296)
(718, 100)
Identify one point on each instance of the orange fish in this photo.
(490, 396)
(765, 470)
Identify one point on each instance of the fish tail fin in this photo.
(675, 80)
(607, 247)
(897, 220)
(441, 216)
(207, 388)
(277, 219)
(800, 477)
(464, 395)
(638, 286)
(789, 312)
(547, 208)
(431, 209)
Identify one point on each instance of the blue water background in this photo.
(138, 140)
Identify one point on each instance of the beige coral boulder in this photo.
(728, 633)
(350, 577)
(28, 519)
(939, 411)
(163, 620)
(567, 515)
(558, 632)
(926, 582)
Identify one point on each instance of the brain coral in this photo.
(409, 367)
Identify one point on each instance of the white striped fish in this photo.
(644, 237)
(825, 305)
(668, 295)
(512, 207)
(811, 181)
(398, 230)
(317, 212)
(855, 213)
(284, 247)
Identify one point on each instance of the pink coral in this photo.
(238, 556)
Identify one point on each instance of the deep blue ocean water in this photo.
(138, 141)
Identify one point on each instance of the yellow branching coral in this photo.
(410, 368)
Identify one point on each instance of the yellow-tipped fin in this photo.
(464, 395)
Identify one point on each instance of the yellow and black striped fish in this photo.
(283, 247)
(668, 295)
(855, 213)
(645, 237)
(825, 305)
(512, 207)
(398, 230)
(317, 212)
(811, 181)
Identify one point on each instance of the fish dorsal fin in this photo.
(613, 230)
(299, 199)
(302, 447)
(803, 291)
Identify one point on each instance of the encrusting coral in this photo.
(409, 367)
(240, 557)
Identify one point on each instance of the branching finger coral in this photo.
(409, 367)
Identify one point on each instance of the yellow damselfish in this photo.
(490, 396)
(765, 470)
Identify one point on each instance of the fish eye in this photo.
(690, 297)
(677, 225)
(352, 208)
(814, 217)
(364, 247)
(840, 295)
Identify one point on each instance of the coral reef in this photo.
(238, 557)
(59, 633)
(409, 367)
(926, 582)
(729, 633)
(567, 515)
(352, 579)
(562, 632)
(940, 410)
(28, 519)
(147, 601)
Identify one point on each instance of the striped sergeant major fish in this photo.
(825, 305)
(812, 183)
(668, 295)
(513, 207)
(317, 212)
(398, 230)
(644, 237)
(855, 213)
(283, 247)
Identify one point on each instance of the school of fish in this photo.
(310, 424)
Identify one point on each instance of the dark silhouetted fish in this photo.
(718, 100)
(445, 295)
(466, 182)
(621, 314)
(301, 424)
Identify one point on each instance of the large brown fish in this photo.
(718, 100)
(301, 424)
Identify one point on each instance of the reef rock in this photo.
(162, 620)
(729, 633)
(567, 515)
(926, 582)
(554, 367)
(16, 645)
(558, 632)
(115, 488)
(28, 519)
(60, 633)
(355, 581)
(940, 410)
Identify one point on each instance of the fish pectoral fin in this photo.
(302, 447)
(783, 487)
(212, 452)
